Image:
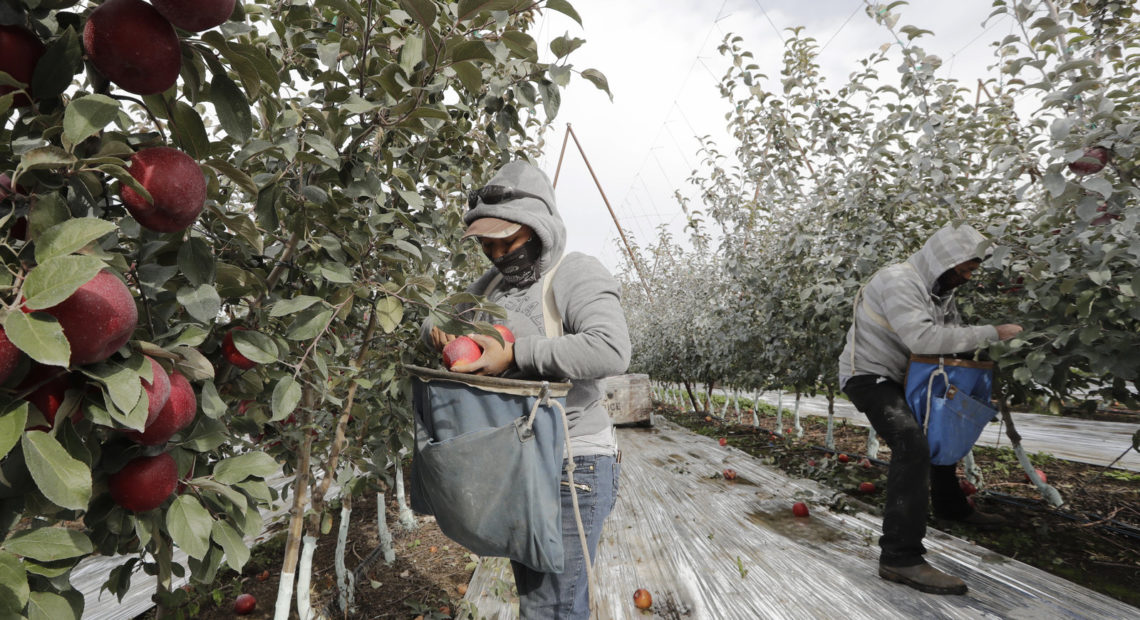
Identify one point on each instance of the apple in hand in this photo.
(133, 45)
(505, 332)
(97, 318)
(195, 15)
(176, 186)
(144, 483)
(462, 350)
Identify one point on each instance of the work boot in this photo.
(981, 520)
(924, 578)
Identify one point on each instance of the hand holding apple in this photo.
(496, 358)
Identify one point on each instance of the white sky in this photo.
(661, 59)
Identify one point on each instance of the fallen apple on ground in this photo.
(722, 441)
(1040, 474)
(730, 474)
(642, 599)
(866, 487)
(843, 458)
(800, 509)
(244, 604)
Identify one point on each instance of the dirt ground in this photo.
(1094, 540)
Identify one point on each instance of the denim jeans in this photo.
(564, 596)
(910, 477)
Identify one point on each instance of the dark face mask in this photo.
(520, 267)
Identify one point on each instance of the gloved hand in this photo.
(496, 358)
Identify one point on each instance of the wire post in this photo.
(628, 249)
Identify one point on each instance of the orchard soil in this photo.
(430, 571)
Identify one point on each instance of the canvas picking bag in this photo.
(950, 398)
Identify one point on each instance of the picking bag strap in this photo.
(552, 318)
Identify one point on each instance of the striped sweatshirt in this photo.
(897, 312)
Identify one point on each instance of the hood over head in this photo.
(948, 247)
(540, 215)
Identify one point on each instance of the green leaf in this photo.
(238, 468)
(48, 544)
(309, 323)
(237, 553)
(562, 6)
(201, 302)
(196, 260)
(232, 106)
(189, 525)
(59, 64)
(470, 50)
(49, 606)
(290, 306)
(599, 80)
(14, 588)
(65, 481)
(469, 75)
(88, 115)
(124, 388)
(56, 279)
(551, 99)
(40, 336)
(521, 43)
(423, 11)
(43, 158)
(122, 176)
(255, 346)
(240, 178)
(286, 396)
(70, 235)
(211, 402)
(469, 9)
(189, 131)
(389, 313)
(563, 46)
(12, 424)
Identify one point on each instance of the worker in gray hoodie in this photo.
(515, 220)
(909, 308)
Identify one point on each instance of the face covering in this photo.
(520, 267)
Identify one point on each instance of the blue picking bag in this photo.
(950, 398)
(488, 463)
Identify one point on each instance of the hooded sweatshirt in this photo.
(899, 313)
(595, 342)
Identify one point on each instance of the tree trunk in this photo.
(296, 522)
(829, 442)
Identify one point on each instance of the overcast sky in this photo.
(661, 59)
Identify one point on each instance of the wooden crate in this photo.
(628, 400)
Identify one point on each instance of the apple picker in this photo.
(515, 220)
(908, 308)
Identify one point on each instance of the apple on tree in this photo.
(1092, 162)
(9, 356)
(53, 383)
(97, 319)
(133, 45)
(175, 183)
(176, 415)
(195, 15)
(144, 483)
(231, 353)
(20, 50)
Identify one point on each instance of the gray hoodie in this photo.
(900, 314)
(595, 343)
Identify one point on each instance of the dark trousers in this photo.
(911, 477)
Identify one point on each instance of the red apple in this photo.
(1040, 474)
(462, 350)
(144, 483)
(157, 391)
(53, 383)
(722, 441)
(967, 487)
(505, 332)
(195, 15)
(97, 319)
(730, 474)
(9, 356)
(642, 599)
(244, 604)
(866, 487)
(175, 416)
(20, 50)
(231, 353)
(1092, 162)
(176, 184)
(843, 458)
(865, 463)
(133, 45)
(811, 462)
(800, 509)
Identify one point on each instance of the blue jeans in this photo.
(564, 596)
